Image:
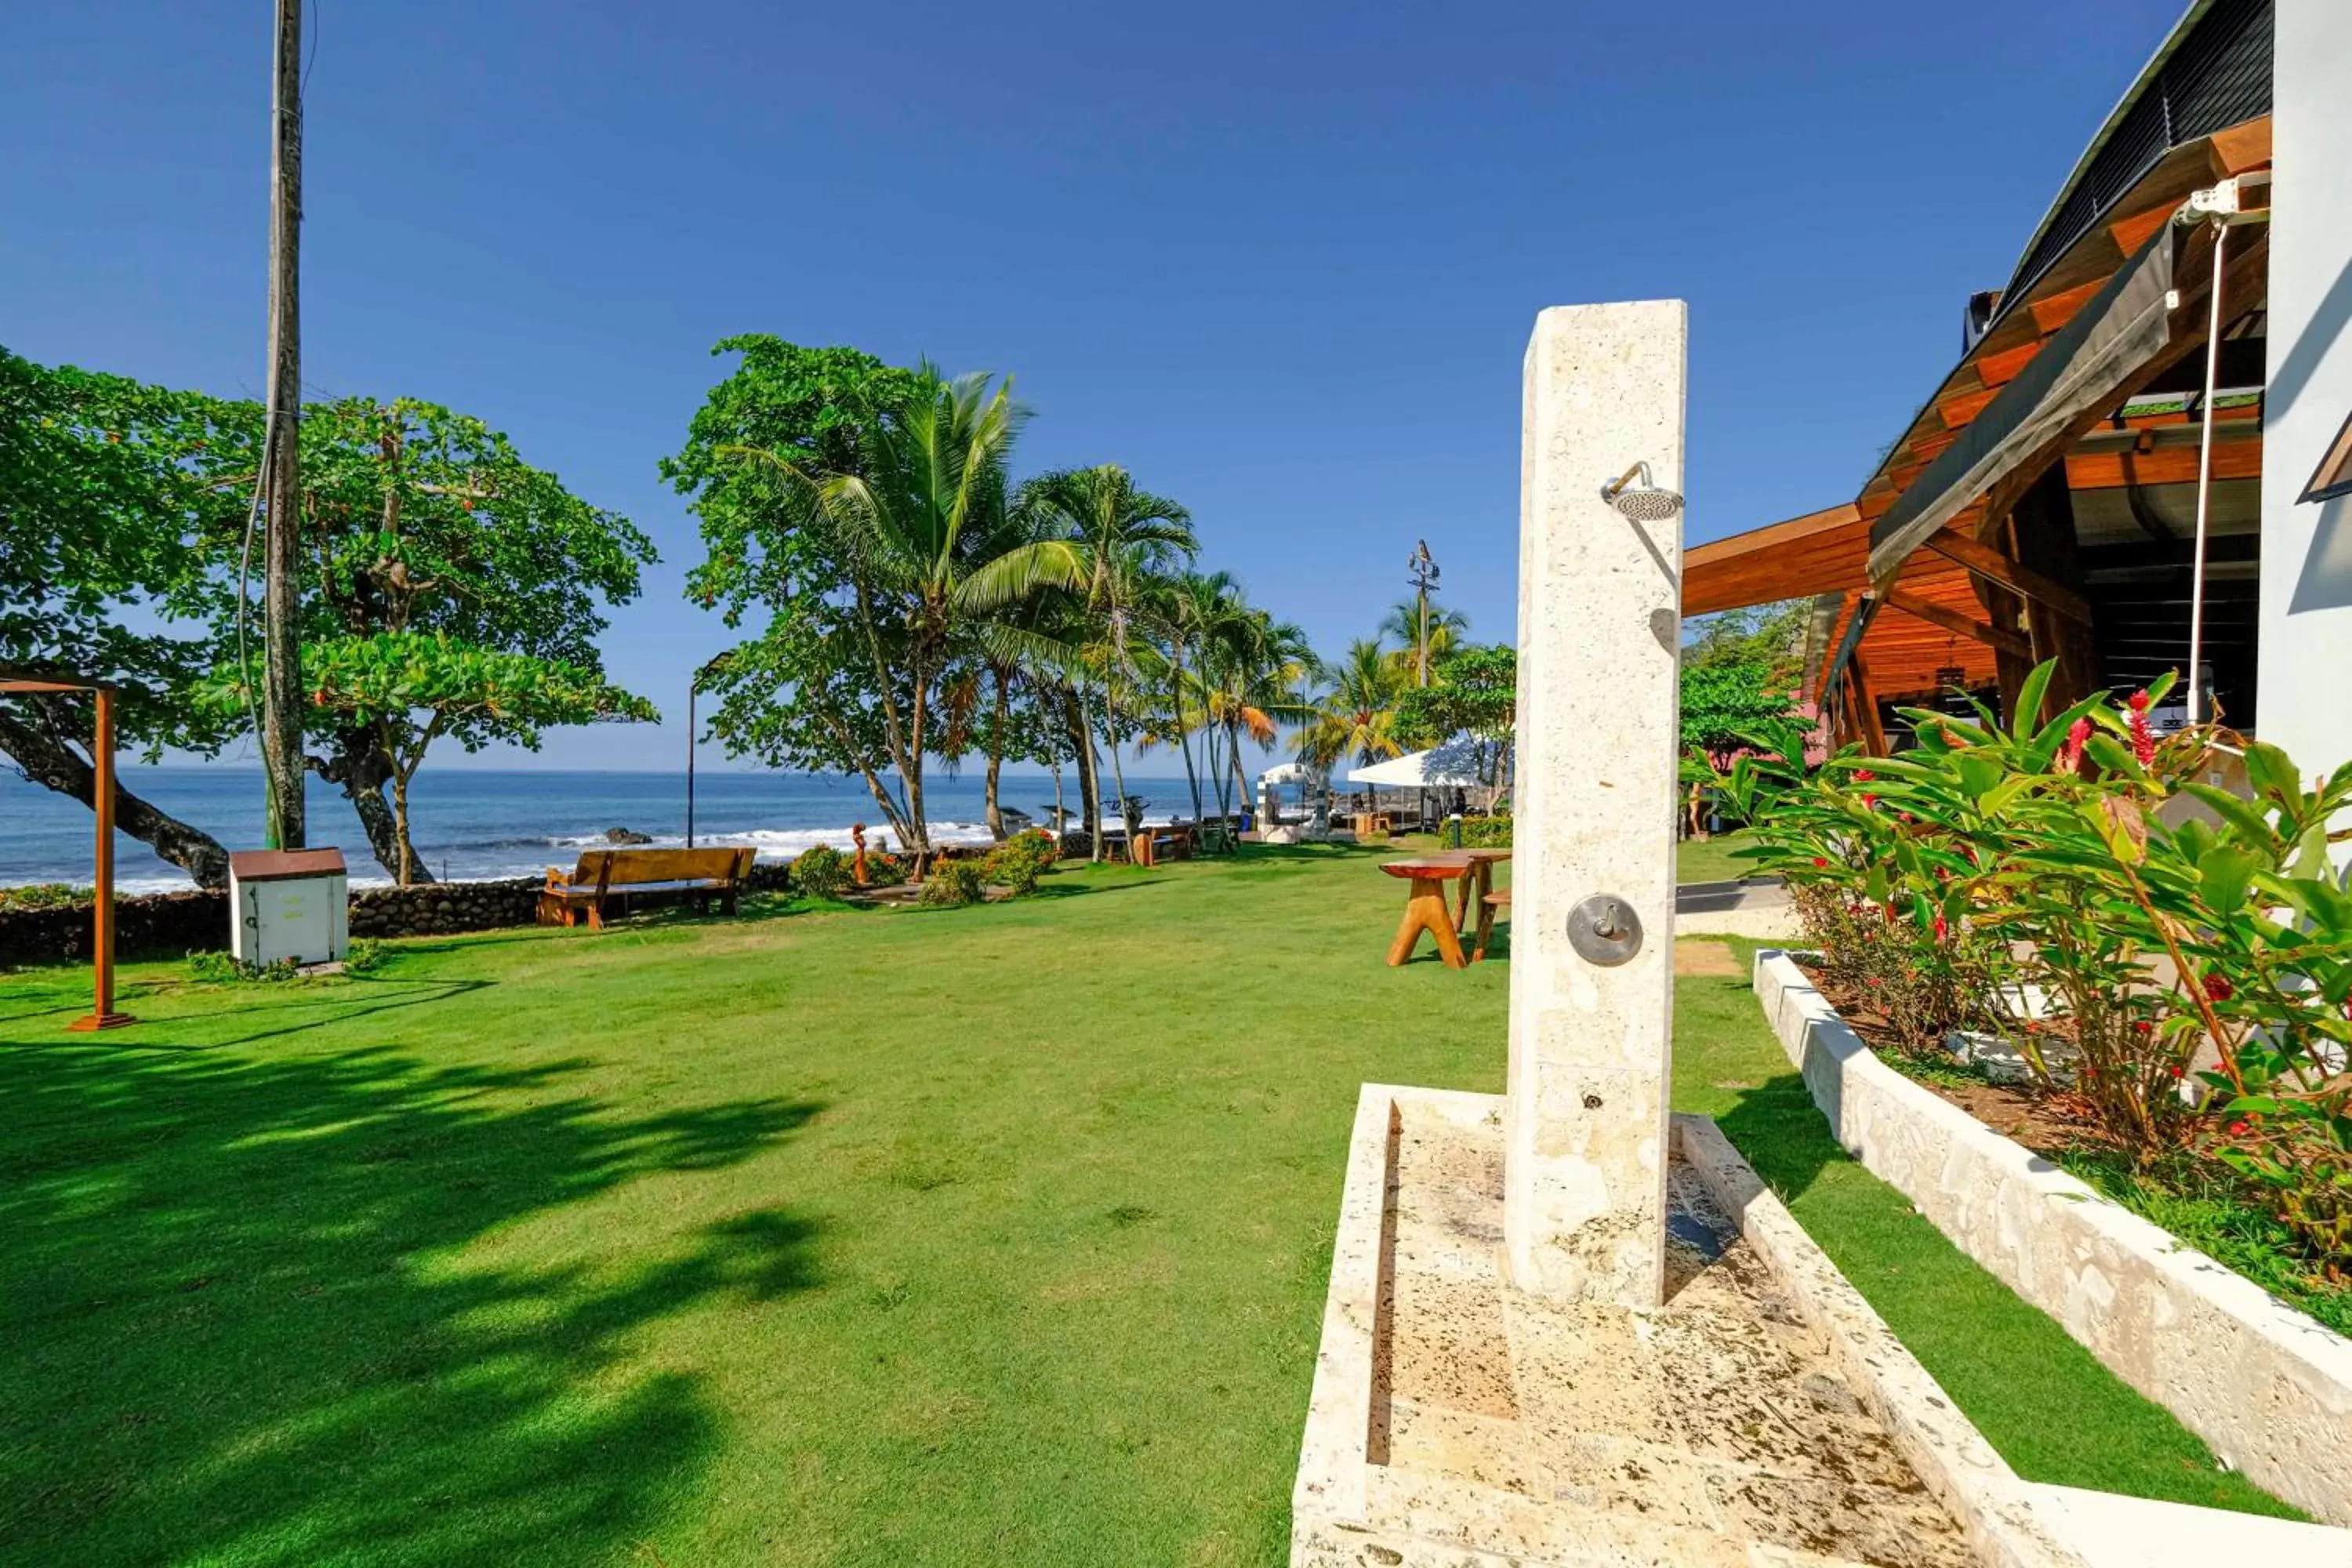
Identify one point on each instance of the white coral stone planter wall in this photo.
(2267, 1387)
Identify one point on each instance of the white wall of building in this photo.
(2306, 673)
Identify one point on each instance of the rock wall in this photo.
(438, 909)
(166, 925)
(162, 925)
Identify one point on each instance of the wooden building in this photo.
(2042, 502)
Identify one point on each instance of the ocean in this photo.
(479, 823)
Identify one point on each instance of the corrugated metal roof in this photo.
(2212, 72)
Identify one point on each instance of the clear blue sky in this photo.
(1280, 260)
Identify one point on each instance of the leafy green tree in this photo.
(420, 521)
(1727, 707)
(106, 497)
(1474, 691)
(881, 558)
(409, 688)
(1771, 636)
(1358, 715)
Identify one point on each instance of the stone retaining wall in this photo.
(166, 925)
(2269, 1388)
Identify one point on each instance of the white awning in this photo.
(1452, 766)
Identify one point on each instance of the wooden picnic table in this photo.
(1425, 905)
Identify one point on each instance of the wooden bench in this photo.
(1158, 843)
(619, 875)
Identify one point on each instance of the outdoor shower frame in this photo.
(102, 1014)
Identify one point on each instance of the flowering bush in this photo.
(2094, 881)
(820, 872)
(954, 884)
(1020, 860)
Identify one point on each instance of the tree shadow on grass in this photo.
(1783, 1134)
(241, 1325)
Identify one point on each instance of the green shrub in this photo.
(1487, 832)
(884, 870)
(821, 872)
(1020, 860)
(215, 968)
(954, 884)
(364, 953)
(43, 896)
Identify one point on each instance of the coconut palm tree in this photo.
(1103, 540)
(922, 534)
(1402, 624)
(1252, 668)
(1187, 611)
(1358, 715)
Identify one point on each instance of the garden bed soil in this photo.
(2048, 1125)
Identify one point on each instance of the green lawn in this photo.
(984, 1237)
(1710, 859)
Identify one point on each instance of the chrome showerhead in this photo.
(1643, 501)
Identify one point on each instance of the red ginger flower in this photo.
(2239, 1129)
(2070, 760)
(1864, 775)
(2218, 987)
(1942, 928)
(1820, 861)
(2143, 738)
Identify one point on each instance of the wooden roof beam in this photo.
(1952, 621)
(1982, 559)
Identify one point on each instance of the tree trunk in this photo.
(1117, 768)
(406, 874)
(45, 760)
(996, 761)
(1184, 738)
(1082, 747)
(358, 765)
(1241, 779)
(281, 693)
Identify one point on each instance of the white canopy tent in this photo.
(1453, 765)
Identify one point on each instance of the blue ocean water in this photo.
(479, 823)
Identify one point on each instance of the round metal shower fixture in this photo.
(1636, 497)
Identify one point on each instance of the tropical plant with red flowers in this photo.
(2167, 932)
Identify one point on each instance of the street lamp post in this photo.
(693, 733)
(1422, 568)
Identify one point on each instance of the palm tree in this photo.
(1103, 540)
(1253, 666)
(1358, 715)
(1403, 623)
(923, 533)
(1189, 611)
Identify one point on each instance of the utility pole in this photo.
(1423, 569)
(281, 692)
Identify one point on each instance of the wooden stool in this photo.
(1486, 907)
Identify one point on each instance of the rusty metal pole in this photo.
(102, 1014)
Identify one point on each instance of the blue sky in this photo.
(1279, 260)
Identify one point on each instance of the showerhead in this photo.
(1641, 502)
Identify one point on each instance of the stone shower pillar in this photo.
(1599, 657)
